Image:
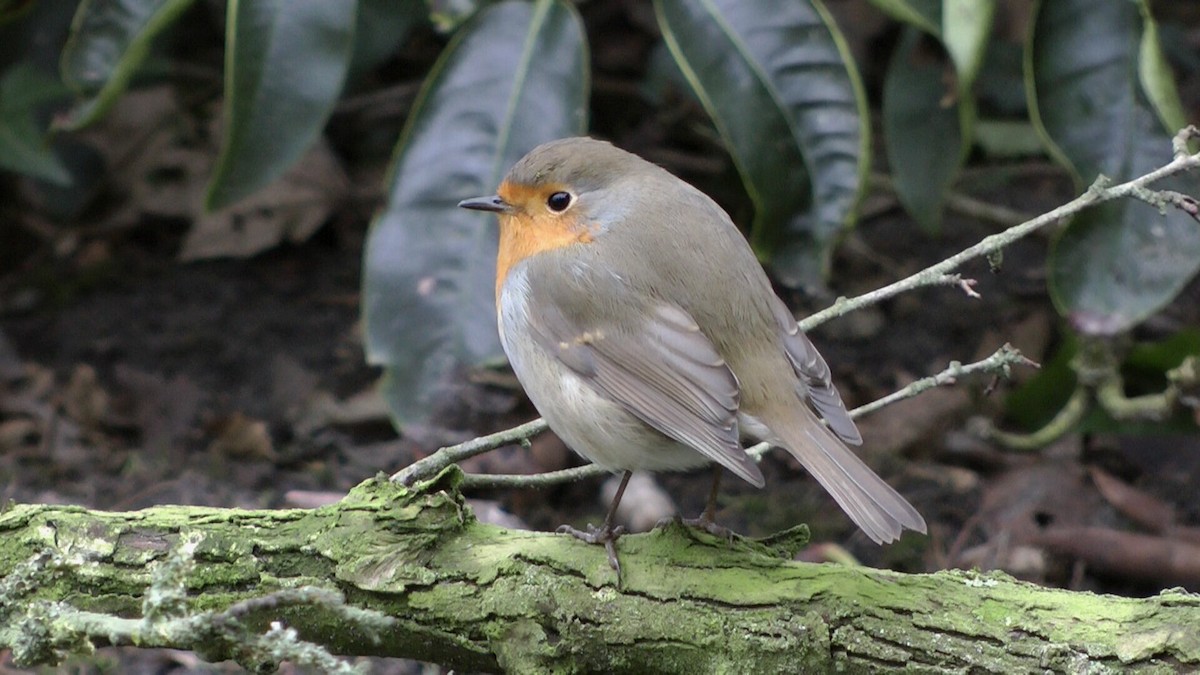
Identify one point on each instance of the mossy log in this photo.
(480, 598)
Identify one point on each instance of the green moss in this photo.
(298, 563)
(475, 596)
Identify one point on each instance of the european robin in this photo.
(643, 329)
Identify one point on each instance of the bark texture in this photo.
(479, 598)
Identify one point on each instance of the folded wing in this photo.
(662, 370)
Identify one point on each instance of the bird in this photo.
(642, 327)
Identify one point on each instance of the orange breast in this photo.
(531, 229)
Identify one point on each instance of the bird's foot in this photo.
(706, 524)
(605, 534)
(700, 523)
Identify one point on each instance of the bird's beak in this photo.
(493, 203)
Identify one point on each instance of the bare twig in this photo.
(482, 481)
(446, 456)
(1100, 192)
(999, 362)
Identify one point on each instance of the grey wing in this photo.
(814, 374)
(664, 371)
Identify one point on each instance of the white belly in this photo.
(588, 422)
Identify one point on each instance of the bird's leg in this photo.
(605, 534)
(706, 520)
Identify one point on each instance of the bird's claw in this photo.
(604, 534)
(706, 524)
(700, 523)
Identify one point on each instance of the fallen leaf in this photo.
(290, 209)
(239, 436)
(84, 400)
(1158, 560)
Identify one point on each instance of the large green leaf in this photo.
(513, 76)
(963, 27)
(285, 62)
(924, 128)
(23, 146)
(782, 90)
(446, 15)
(925, 15)
(1036, 402)
(966, 27)
(1116, 264)
(929, 124)
(381, 27)
(1155, 75)
(108, 42)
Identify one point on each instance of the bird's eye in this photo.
(559, 201)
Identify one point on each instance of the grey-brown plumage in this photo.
(654, 340)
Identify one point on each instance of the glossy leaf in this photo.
(1159, 357)
(514, 76)
(1007, 138)
(1116, 264)
(446, 15)
(109, 40)
(285, 63)
(1036, 402)
(1155, 75)
(966, 27)
(380, 28)
(781, 88)
(923, 128)
(23, 144)
(925, 15)
(963, 26)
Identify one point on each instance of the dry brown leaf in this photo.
(1141, 507)
(163, 156)
(1158, 560)
(84, 399)
(290, 209)
(19, 434)
(240, 436)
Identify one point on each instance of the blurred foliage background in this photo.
(258, 123)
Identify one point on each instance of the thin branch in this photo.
(486, 481)
(444, 457)
(981, 210)
(1100, 192)
(1164, 199)
(999, 362)
(1067, 418)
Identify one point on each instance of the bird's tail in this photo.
(871, 503)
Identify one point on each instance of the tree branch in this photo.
(1101, 191)
(998, 363)
(409, 572)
